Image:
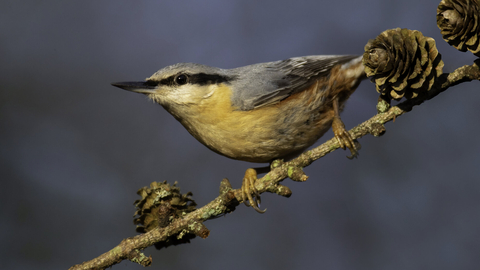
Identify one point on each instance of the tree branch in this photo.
(193, 222)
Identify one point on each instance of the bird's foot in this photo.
(248, 187)
(343, 137)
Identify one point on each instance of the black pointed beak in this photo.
(138, 87)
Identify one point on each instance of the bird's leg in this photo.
(342, 135)
(248, 187)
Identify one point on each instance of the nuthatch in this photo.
(261, 112)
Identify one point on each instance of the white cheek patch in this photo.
(210, 92)
(185, 94)
(190, 94)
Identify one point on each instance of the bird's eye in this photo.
(181, 79)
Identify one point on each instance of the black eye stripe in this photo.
(198, 79)
(167, 81)
(204, 79)
(152, 83)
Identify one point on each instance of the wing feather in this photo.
(268, 83)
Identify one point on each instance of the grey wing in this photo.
(268, 83)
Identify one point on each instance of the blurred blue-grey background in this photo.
(74, 150)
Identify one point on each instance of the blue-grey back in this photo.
(264, 84)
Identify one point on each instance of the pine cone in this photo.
(403, 63)
(458, 21)
(160, 204)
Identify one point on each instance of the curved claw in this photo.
(248, 187)
(345, 140)
(343, 137)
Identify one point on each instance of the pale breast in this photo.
(263, 134)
